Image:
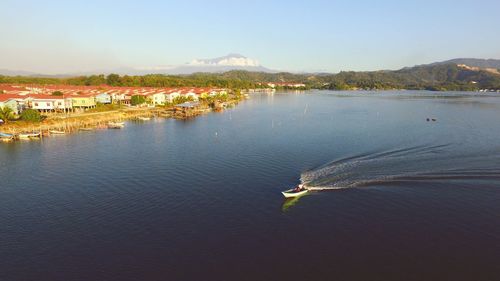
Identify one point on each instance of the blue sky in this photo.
(314, 35)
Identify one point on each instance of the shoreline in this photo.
(100, 120)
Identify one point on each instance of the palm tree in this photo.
(6, 113)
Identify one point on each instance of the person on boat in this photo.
(298, 188)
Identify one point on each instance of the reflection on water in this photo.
(288, 203)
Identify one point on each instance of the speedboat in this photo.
(144, 118)
(57, 132)
(297, 191)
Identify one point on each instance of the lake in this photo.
(200, 199)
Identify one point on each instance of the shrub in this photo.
(136, 100)
(31, 115)
(6, 113)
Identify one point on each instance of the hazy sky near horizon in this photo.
(314, 35)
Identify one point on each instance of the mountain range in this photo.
(240, 72)
(233, 62)
(214, 65)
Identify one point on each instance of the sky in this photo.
(55, 37)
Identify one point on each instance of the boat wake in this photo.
(410, 164)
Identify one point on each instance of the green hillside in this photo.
(439, 77)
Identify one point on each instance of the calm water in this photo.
(200, 199)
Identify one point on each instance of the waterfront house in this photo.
(46, 103)
(171, 94)
(188, 105)
(118, 96)
(83, 101)
(10, 101)
(187, 109)
(127, 99)
(103, 98)
(217, 92)
(190, 94)
(22, 102)
(157, 98)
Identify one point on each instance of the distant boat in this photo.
(116, 125)
(56, 132)
(144, 118)
(87, 129)
(297, 191)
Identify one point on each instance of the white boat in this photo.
(116, 125)
(29, 135)
(55, 132)
(144, 118)
(6, 137)
(294, 192)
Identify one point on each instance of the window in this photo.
(36, 104)
(48, 104)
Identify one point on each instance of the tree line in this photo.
(152, 80)
(427, 77)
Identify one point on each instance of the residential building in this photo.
(46, 103)
(170, 95)
(189, 94)
(103, 98)
(83, 102)
(8, 100)
(157, 98)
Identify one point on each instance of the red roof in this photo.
(6, 97)
(45, 91)
(47, 97)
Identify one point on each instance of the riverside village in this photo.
(32, 112)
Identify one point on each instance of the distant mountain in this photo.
(190, 69)
(8, 72)
(215, 65)
(229, 60)
(481, 63)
